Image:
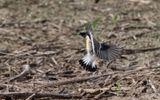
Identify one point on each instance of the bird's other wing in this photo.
(88, 62)
(108, 51)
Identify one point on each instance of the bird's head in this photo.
(88, 32)
(84, 34)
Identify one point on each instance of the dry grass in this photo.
(41, 34)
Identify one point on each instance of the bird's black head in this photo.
(83, 34)
(88, 31)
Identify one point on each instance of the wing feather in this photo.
(108, 52)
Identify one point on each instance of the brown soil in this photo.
(42, 35)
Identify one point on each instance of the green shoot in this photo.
(114, 19)
(94, 23)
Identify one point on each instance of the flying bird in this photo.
(96, 50)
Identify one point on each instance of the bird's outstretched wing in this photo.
(108, 52)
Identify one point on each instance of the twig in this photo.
(40, 95)
(131, 36)
(17, 55)
(46, 53)
(67, 72)
(110, 63)
(101, 91)
(93, 91)
(152, 86)
(28, 54)
(82, 79)
(31, 96)
(100, 94)
(77, 79)
(97, 90)
(122, 68)
(55, 62)
(26, 70)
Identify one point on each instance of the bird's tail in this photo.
(88, 62)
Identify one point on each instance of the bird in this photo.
(102, 50)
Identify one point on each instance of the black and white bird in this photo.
(108, 52)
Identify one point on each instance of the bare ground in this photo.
(40, 48)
